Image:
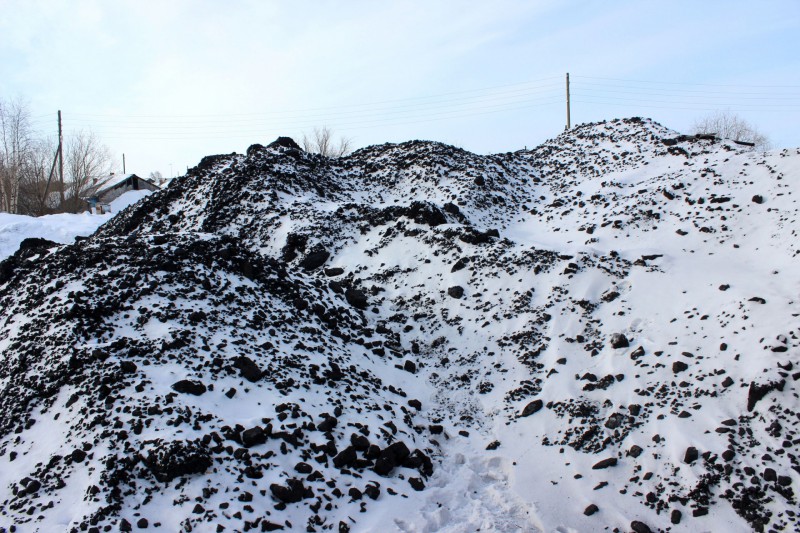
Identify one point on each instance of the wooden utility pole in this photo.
(568, 120)
(61, 158)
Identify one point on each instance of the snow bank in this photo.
(62, 228)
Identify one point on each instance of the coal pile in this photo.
(414, 337)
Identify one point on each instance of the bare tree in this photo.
(157, 178)
(728, 125)
(322, 142)
(89, 164)
(38, 193)
(15, 136)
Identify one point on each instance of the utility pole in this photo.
(123, 165)
(568, 121)
(61, 157)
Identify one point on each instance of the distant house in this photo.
(101, 200)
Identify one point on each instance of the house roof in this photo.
(124, 181)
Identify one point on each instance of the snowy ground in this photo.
(62, 228)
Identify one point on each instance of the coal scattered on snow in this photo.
(417, 337)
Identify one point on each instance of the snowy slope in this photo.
(62, 228)
(599, 333)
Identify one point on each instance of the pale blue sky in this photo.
(167, 82)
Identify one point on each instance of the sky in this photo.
(168, 82)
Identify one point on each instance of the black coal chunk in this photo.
(392, 456)
(372, 491)
(284, 142)
(679, 366)
(532, 408)
(294, 492)
(635, 451)
(460, 264)
(356, 298)
(345, 458)
(618, 340)
(253, 436)
(248, 369)
(188, 386)
(605, 463)
(455, 291)
(32, 486)
(327, 424)
(78, 455)
(691, 455)
(315, 259)
(127, 367)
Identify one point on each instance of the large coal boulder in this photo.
(284, 142)
(248, 369)
(618, 340)
(356, 297)
(315, 259)
(188, 386)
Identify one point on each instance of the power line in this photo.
(679, 107)
(258, 119)
(343, 106)
(628, 99)
(315, 120)
(454, 105)
(431, 117)
(626, 89)
(688, 83)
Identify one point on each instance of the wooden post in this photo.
(61, 158)
(568, 119)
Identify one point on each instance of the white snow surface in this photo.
(690, 250)
(61, 228)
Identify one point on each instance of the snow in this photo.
(61, 228)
